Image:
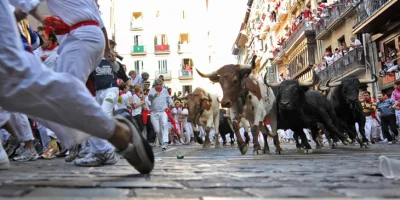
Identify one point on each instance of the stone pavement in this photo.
(346, 172)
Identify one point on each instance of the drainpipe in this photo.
(370, 67)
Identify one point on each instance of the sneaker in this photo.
(84, 151)
(4, 162)
(97, 160)
(51, 152)
(73, 152)
(11, 146)
(27, 155)
(19, 150)
(164, 147)
(138, 153)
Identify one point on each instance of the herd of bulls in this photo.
(287, 105)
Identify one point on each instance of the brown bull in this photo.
(203, 110)
(248, 98)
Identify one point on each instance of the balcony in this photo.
(278, 53)
(350, 63)
(349, 8)
(320, 30)
(161, 49)
(302, 30)
(166, 74)
(275, 25)
(185, 74)
(184, 48)
(335, 19)
(372, 15)
(282, 13)
(138, 50)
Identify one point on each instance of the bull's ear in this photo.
(244, 72)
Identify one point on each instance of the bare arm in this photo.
(22, 7)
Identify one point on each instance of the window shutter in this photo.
(155, 40)
(189, 38)
(166, 39)
(180, 39)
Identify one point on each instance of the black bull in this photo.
(299, 107)
(343, 96)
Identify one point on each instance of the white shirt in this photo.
(138, 80)
(138, 110)
(51, 60)
(185, 111)
(70, 11)
(356, 43)
(124, 103)
(147, 103)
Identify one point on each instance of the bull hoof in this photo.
(266, 150)
(217, 145)
(279, 151)
(232, 144)
(257, 152)
(333, 146)
(243, 149)
(300, 150)
(364, 145)
(307, 151)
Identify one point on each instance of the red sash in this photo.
(172, 120)
(59, 27)
(145, 114)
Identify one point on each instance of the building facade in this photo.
(167, 38)
(336, 38)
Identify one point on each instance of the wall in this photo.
(197, 28)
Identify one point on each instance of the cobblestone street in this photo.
(211, 173)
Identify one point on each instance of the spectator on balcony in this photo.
(136, 79)
(328, 57)
(337, 55)
(389, 67)
(354, 43)
(344, 48)
(281, 78)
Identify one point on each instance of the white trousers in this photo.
(107, 98)
(371, 128)
(188, 131)
(19, 122)
(28, 86)
(160, 126)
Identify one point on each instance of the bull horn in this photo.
(271, 85)
(182, 98)
(369, 80)
(322, 88)
(335, 84)
(245, 66)
(207, 98)
(312, 83)
(206, 75)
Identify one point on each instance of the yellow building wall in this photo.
(343, 30)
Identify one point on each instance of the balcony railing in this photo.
(138, 50)
(161, 49)
(352, 60)
(184, 48)
(277, 51)
(303, 26)
(320, 28)
(335, 12)
(137, 25)
(166, 74)
(367, 8)
(185, 74)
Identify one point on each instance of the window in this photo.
(186, 88)
(137, 16)
(138, 64)
(162, 66)
(137, 21)
(185, 14)
(138, 40)
(160, 39)
(186, 62)
(184, 38)
(341, 40)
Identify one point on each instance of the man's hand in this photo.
(43, 57)
(157, 94)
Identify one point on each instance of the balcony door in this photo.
(162, 66)
(186, 88)
(138, 40)
(160, 39)
(138, 64)
(184, 38)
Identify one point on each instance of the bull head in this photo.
(363, 81)
(230, 77)
(183, 98)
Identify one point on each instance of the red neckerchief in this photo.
(51, 47)
(121, 93)
(137, 94)
(158, 90)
